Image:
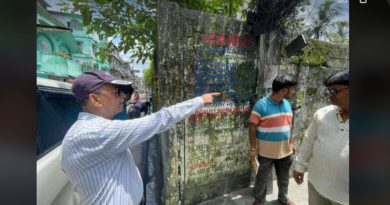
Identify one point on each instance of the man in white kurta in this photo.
(325, 149)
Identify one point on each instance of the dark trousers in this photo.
(282, 168)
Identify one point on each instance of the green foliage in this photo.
(294, 23)
(222, 7)
(149, 74)
(301, 96)
(326, 13)
(314, 54)
(311, 91)
(338, 32)
(291, 24)
(135, 21)
(301, 137)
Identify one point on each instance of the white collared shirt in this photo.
(325, 154)
(96, 158)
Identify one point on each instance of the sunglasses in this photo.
(333, 91)
(117, 92)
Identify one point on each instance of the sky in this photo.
(312, 9)
(309, 13)
(126, 57)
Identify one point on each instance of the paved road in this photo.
(245, 197)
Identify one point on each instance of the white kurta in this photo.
(325, 154)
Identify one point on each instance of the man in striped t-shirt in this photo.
(270, 138)
(95, 153)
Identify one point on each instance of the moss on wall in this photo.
(315, 53)
(311, 91)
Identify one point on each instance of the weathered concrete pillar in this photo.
(169, 92)
(205, 155)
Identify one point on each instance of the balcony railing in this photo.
(57, 65)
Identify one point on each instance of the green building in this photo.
(64, 49)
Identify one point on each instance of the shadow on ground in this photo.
(297, 193)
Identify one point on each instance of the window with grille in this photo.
(74, 24)
(44, 44)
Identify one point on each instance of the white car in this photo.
(56, 112)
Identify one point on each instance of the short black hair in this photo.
(339, 78)
(147, 103)
(282, 81)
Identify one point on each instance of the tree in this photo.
(222, 7)
(285, 14)
(326, 13)
(134, 21)
(149, 74)
(338, 32)
(342, 29)
(294, 24)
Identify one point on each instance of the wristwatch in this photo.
(253, 148)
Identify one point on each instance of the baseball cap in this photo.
(90, 81)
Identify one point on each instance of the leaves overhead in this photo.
(222, 7)
(326, 13)
(148, 75)
(338, 32)
(294, 24)
(134, 21)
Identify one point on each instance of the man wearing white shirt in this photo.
(95, 153)
(325, 148)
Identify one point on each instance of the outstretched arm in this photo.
(135, 131)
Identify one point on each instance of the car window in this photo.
(56, 112)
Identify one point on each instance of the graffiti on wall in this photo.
(216, 135)
(199, 53)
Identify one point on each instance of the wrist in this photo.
(253, 148)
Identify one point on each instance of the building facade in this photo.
(64, 49)
(118, 67)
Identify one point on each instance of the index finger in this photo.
(215, 94)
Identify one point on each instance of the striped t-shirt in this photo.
(274, 121)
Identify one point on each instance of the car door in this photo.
(56, 112)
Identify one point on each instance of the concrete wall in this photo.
(205, 155)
